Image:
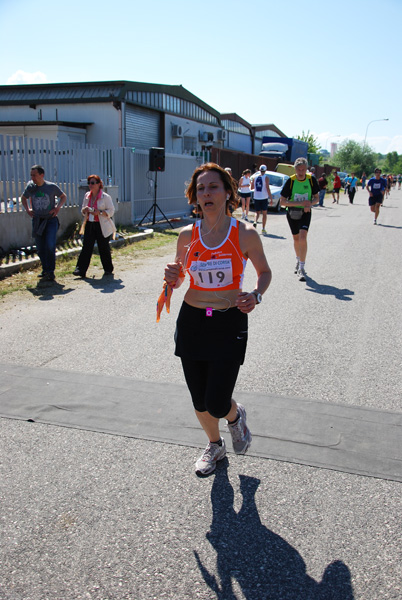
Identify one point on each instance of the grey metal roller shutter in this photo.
(142, 127)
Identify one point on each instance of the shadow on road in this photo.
(106, 284)
(275, 237)
(263, 563)
(328, 290)
(47, 290)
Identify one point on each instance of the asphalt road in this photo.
(88, 515)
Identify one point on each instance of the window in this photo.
(169, 103)
(235, 127)
(189, 144)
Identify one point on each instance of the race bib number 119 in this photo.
(212, 273)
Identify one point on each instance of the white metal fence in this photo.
(66, 165)
(63, 164)
(133, 185)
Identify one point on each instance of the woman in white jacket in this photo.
(98, 210)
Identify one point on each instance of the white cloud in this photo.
(394, 143)
(21, 77)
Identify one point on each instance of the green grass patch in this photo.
(65, 264)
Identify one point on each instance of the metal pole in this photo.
(155, 195)
(365, 137)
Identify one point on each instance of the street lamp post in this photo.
(365, 137)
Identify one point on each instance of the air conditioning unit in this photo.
(206, 136)
(222, 134)
(177, 131)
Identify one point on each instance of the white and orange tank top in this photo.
(220, 268)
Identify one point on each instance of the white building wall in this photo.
(105, 130)
(55, 133)
(239, 141)
(257, 145)
(191, 129)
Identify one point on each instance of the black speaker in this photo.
(157, 159)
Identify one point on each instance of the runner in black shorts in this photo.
(376, 187)
(298, 195)
(261, 205)
(245, 193)
(211, 332)
(297, 224)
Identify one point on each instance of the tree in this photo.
(391, 163)
(355, 157)
(313, 146)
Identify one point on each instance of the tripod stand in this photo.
(155, 206)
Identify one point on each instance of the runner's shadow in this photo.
(389, 226)
(47, 290)
(263, 563)
(328, 290)
(275, 237)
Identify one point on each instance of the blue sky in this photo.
(327, 67)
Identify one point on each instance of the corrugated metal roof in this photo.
(104, 91)
(267, 126)
(42, 94)
(236, 118)
(80, 124)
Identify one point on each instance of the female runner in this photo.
(245, 193)
(211, 330)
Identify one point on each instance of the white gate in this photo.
(124, 168)
(64, 164)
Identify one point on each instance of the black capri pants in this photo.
(211, 349)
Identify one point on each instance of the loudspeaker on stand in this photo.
(157, 159)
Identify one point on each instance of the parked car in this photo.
(276, 183)
(342, 177)
(285, 168)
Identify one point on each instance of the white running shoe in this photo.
(212, 454)
(241, 435)
(301, 273)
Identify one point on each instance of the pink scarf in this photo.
(94, 203)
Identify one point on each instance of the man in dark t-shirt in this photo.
(39, 200)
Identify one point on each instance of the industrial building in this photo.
(125, 114)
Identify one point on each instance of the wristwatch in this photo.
(258, 296)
